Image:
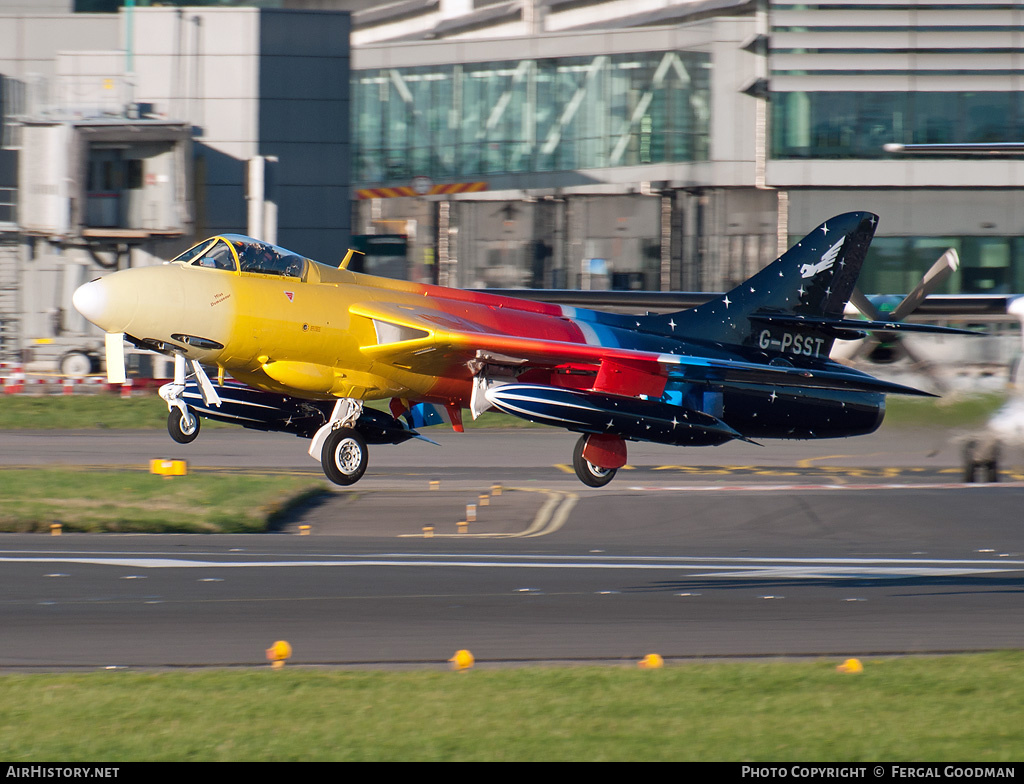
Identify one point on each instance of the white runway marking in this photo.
(780, 488)
(704, 567)
(551, 516)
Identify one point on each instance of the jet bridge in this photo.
(90, 191)
(105, 180)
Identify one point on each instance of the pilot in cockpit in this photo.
(266, 258)
(246, 256)
(257, 257)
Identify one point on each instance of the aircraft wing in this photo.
(639, 368)
(425, 340)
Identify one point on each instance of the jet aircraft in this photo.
(307, 344)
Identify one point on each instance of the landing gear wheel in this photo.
(588, 473)
(981, 457)
(344, 456)
(991, 471)
(76, 364)
(969, 471)
(178, 427)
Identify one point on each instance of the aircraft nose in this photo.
(106, 304)
(90, 300)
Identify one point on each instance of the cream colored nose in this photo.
(107, 303)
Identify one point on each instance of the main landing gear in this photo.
(981, 460)
(340, 448)
(597, 458)
(344, 456)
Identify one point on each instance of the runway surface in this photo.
(831, 548)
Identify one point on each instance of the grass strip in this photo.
(952, 411)
(31, 499)
(144, 411)
(956, 708)
(148, 412)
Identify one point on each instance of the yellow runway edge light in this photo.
(651, 661)
(168, 467)
(850, 665)
(462, 660)
(278, 653)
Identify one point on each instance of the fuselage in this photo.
(308, 330)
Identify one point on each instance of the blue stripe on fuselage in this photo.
(596, 334)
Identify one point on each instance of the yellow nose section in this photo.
(150, 303)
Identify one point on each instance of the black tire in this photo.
(969, 463)
(992, 471)
(969, 467)
(588, 473)
(177, 429)
(344, 456)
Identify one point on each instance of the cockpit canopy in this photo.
(236, 252)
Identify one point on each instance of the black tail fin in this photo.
(814, 279)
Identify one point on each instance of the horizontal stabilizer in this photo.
(745, 373)
(852, 329)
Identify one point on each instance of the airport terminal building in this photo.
(596, 144)
(682, 145)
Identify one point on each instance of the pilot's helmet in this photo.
(244, 256)
(291, 265)
(265, 255)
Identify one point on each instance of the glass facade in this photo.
(988, 265)
(452, 122)
(858, 124)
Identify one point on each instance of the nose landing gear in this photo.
(183, 424)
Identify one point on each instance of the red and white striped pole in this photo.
(15, 383)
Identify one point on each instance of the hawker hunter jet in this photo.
(306, 344)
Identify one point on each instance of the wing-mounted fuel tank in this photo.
(767, 412)
(593, 412)
(756, 412)
(252, 408)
